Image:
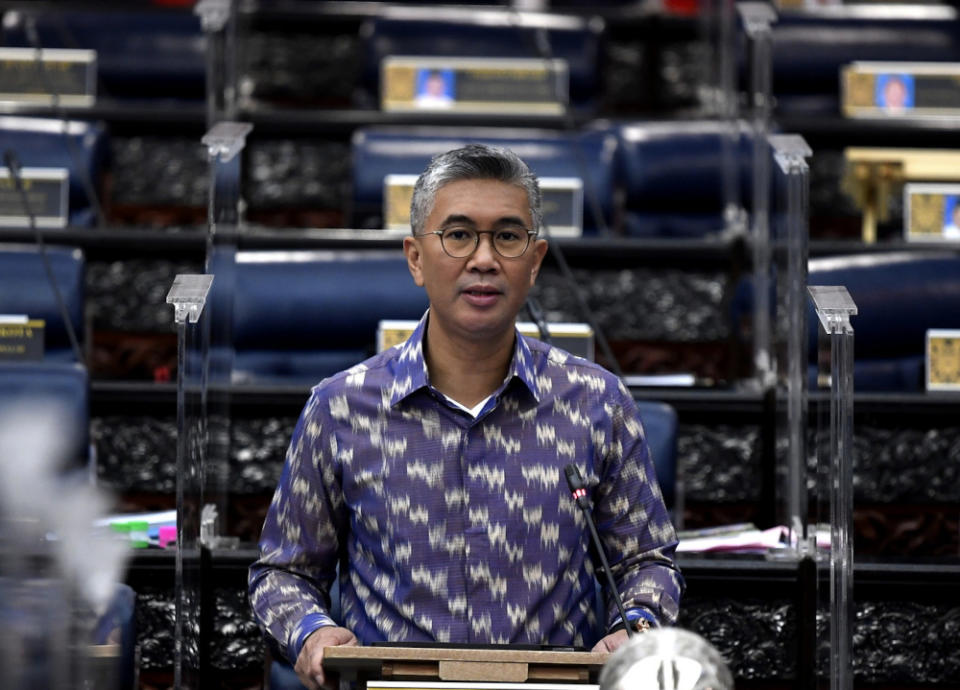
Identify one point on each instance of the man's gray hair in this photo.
(473, 162)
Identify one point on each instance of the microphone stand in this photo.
(579, 489)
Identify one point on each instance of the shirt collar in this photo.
(412, 367)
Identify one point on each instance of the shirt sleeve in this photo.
(289, 585)
(633, 521)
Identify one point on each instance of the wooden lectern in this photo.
(453, 665)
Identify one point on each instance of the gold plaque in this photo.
(931, 212)
(943, 359)
(859, 89)
(397, 195)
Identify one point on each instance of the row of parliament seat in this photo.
(668, 174)
(156, 54)
(294, 321)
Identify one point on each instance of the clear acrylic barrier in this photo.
(834, 307)
(225, 143)
(218, 19)
(790, 232)
(720, 98)
(757, 19)
(188, 295)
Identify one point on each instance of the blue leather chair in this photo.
(810, 48)
(672, 177)
(25, 289)
(457, 34)
(898, 298)
(81, 150)
(406, 151)
(148, 54)
(660, 427)
(66, 384)
(300, 316)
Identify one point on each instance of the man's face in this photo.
(895, 94)
(435, 85)
(477, 297)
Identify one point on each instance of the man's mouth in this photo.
(479, 290)
(481, 295)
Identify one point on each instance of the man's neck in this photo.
(466, 370)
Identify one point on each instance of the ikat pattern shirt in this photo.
(452, 528)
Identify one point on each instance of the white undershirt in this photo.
(472, 411)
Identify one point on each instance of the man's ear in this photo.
(539, 251)
(411, 248)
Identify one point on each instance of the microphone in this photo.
(13, 163)
(579, 490)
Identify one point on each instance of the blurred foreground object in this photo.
(64, 624)
(666, 659)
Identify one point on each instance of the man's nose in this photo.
(484, 255)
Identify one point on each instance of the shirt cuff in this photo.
(634, 615)
(310, 623)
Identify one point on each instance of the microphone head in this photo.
(666, 659)
(11, 161)
(574, 478)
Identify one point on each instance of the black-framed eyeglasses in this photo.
(459, 243)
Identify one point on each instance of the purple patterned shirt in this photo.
(462, 529)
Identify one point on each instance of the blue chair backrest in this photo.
(25, 289)
(660, 427)
(456, 34)
(672, 174)
(898, 298)
(43, 143)
(406, 151)
(63, 383)
(300, 316)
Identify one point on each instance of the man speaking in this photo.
(434, 471)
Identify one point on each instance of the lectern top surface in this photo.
(332, 654)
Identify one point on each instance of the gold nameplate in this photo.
(873, 174)
(901, 89)
(47, 192)
(943, 360)
(575, 338)
(21, 339)
(473, 85)
(562, 204)
(931, 212)
(65, 76)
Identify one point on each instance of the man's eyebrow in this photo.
(457, 219)
(460, 219)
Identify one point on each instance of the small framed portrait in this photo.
(435, 88)
(894, 92)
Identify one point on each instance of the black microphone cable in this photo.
(13, 165)
(536, 314)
